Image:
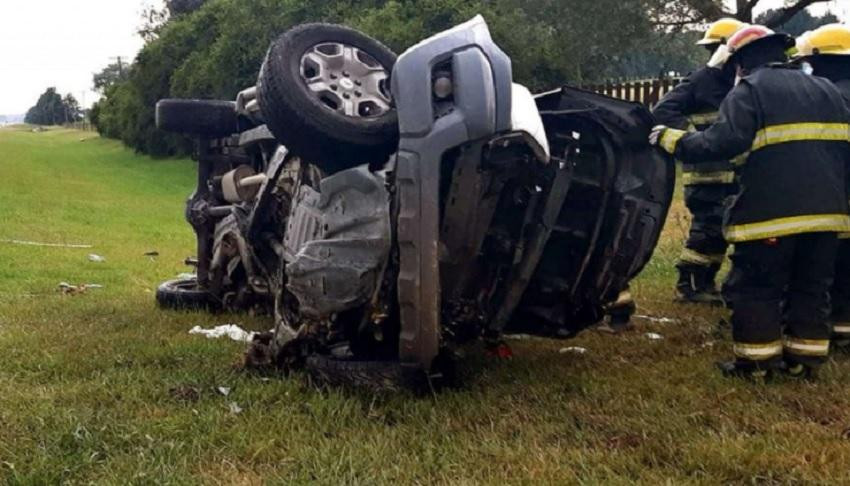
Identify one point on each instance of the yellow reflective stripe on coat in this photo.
(670, 138)
(800, 132)
(807, 347)
(719, 177)
(757, 352)
(842, 328)
(774, 228)
(708, 118)
(691, 256)
(795, 132)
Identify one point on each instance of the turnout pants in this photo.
(841, 293)
(705, 247)
(782, 283)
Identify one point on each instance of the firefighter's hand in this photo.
(656, 134)
(666, 138)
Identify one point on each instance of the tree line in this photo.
(214, 48)
(54, 109)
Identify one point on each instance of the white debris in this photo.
(573, 350)
(232, 331)
(654, 336)
(519, 337)
(659, 320)
(235, 408)
(39, 243)
(96, 258)
(67, 288)
(224, 390)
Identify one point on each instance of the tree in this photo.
(178, 7)
(111, 74)
(801, 23)
(52, 109)
(679, 13)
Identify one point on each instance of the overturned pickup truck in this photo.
(385, 210)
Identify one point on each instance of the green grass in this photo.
(90, 384)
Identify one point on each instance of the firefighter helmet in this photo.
(829, 40)
(720, 31)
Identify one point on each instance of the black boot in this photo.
(799, 371)
(696, 285)
(747, 371)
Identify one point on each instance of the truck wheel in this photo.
(324, 92)
(184, 294)
(206, 118)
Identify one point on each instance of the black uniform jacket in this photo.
(787, 134)
(693, 105)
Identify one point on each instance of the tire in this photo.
(305, 122)
(205, 118)
(183, 294)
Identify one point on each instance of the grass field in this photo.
(103, 387)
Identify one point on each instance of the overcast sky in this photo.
(63, 42)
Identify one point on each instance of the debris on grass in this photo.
(93, 257)
(520, 337)
(611, 328)
(654, 336)
(69, 289)
(223, 390)
(235, 409)
(185, 393)
(658, 320)
(573, 350)
(39, 243)
(231, 331)
(152, 253)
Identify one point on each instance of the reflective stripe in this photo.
(691, 256)
(670, 138)
(774, 228)
(842, 328)
(719, 177)
(807, 347)
(844, 236)
(708, 118)
(798, 132)
(757, 352)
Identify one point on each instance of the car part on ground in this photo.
(498, 211)
(184, 294)
(324, 92)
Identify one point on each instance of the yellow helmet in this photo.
(720, 31)
(829, 40)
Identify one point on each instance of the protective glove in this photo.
(665, 137)
(655, 134)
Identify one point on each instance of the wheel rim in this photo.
(346, 80)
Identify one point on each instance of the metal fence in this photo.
(646, 92)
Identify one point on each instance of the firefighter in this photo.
(826, 53)
(693, 105)
(787, 134)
